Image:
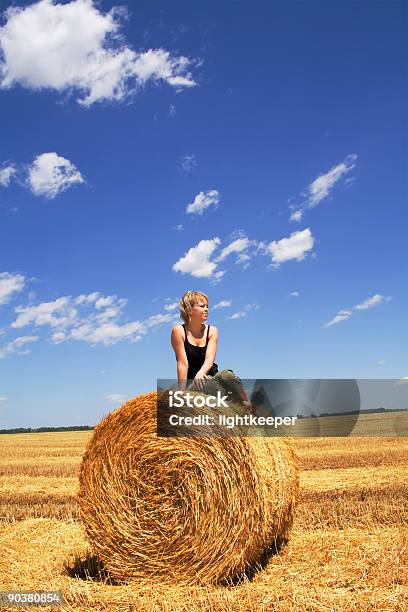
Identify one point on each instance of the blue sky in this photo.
(255, 151)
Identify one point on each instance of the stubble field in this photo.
(348, 549)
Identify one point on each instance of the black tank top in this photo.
(196, 356)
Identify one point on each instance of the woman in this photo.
(195, 346)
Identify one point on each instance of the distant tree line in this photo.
(44, 429)
(362, 411)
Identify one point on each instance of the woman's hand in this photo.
(199, 380)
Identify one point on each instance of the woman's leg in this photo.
(225, 381)
(211, 386)
(233, 385)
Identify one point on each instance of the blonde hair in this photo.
(187, 302)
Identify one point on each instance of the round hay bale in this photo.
(183, 510)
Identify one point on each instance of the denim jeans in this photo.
(223, 381)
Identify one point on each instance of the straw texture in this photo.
(182, 510)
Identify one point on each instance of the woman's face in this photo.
(199, 311)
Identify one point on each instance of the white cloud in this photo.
(92, 318)
(16, 346)
(111, 303)
(321, 187)
(87, 299)
(58, 313)
(217, 277)
(244, 311)
(3, 398)
(112, 312)
(296, 216)
(112, 332)
(172, 306)
(116, 398)
(106, 333)
(197, 260)
(58, 337)
(50, 174)
(159, 319)
(381, 362)
(295, 247)
(179, 227)
(401, 381)
(9, 284)
(222, 304)
(237, 315)
(77, 48)
(202, 201)
(294, 293)
(158, 64)
(342, 315)
(237, 246)
(188, 163)
(243, 258)
(372, 301)
(172, 110)
(6, 174)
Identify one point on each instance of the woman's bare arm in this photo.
(177, 342)
(210, 353)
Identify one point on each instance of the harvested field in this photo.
(333, 453)
(345, 478)
(326, 569)
(348, 550)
